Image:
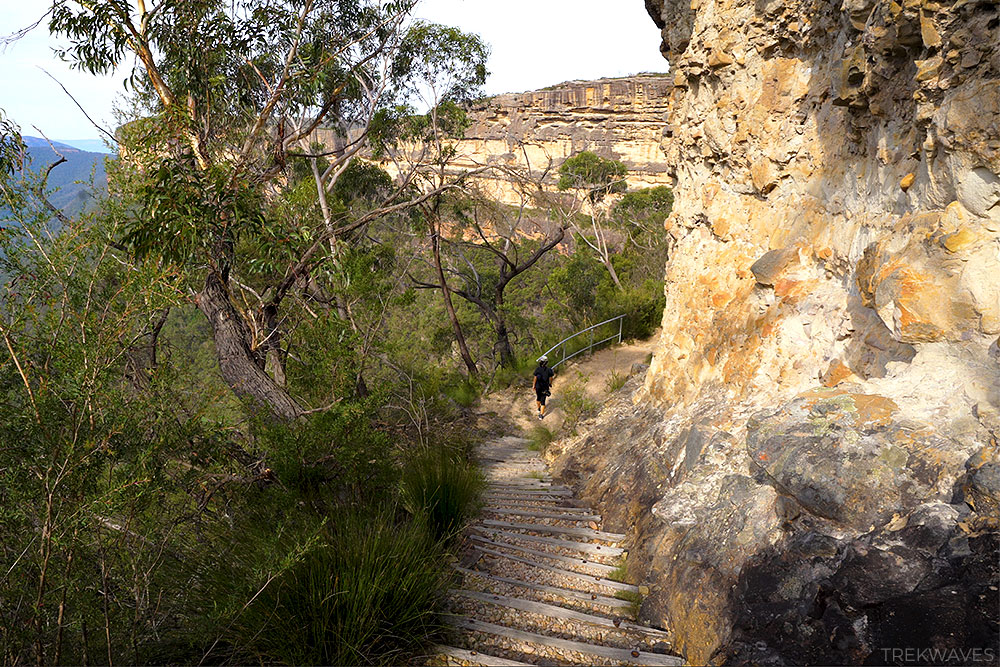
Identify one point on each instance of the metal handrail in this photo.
(592, 345)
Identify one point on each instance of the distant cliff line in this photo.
(534, 132)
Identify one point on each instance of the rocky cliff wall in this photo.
(809, 472)
(534, 132)
(615, 118)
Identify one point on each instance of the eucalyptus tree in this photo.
(442, 68)
(492, 244)
(229, 94)
(593, 178)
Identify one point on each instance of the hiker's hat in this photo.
(543, 358)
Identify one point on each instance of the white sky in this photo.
(535, 43)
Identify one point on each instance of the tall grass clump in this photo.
(465, 393)
(441, 488)
(540, 438)
(576, 404)
(364, 596)
(615, 381)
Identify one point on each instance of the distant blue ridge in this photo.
(69, 145)
(71, 179)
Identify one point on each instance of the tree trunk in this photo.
(606, 261)
(241, 366)
(274, 364)
(503, 346)
(446, 293)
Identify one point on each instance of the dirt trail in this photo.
(593, 373)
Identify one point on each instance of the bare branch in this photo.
(80, 107)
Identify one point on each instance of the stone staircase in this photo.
(540, 583)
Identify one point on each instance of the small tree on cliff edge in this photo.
(593, 178)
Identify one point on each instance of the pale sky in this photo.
(535, 43)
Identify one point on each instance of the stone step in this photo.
(545, 504)
(553, 611)
(626, 656)
(530, 484)
(586, 533)
(605, 570)
(585, 547)
(518, 481)
(526, 464)
(588, 578)
(513, 457)
(568, 595)
(529, 490)
(535, 514)
(526, 496)
(467, 657)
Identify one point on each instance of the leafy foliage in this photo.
(649, 206)
(442, 490)
(427, 59)
(597, 175)
(188, 212)
(365, 595)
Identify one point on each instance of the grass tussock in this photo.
(364, 595)
(634, 598)
(442, 489)
(615, 381)
(576, 404)
(540, 438)
(620, 573)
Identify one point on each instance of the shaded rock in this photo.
(981, 487)
(844, 456)
(770, 267)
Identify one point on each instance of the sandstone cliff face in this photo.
(538, 130)
(810, 470)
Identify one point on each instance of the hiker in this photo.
(542, 384)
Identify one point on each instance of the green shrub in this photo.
(576, 404)
(441, 489)
(643, 308)
(615, 382)
(336, 451)
(365, 596)
(465, 392)
(540, 438)
(588, 171)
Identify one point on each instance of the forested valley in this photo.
(237, 392)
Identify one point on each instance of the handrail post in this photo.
(590, 348)
(621, 320)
